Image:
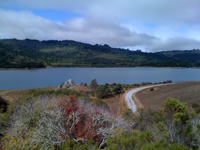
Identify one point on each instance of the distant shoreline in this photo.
(25, 68)
(96, 67)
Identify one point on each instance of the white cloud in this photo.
(150, 24)
(177, 43)
(27, 25)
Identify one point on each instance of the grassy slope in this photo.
(184, 91)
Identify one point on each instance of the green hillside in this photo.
(36, 54)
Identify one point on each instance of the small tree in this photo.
(175, 126)
(176, 111)
(118, 89)
(103, 91)
(94, 85)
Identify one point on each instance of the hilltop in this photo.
(67, 53)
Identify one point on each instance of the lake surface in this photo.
(23, 79)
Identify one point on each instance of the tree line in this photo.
(69, 53)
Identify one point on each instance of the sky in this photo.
(148, 25)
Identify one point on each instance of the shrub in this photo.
(175, 126)
(94, 85)
(4, 122)
(151, 89)
(48, 122)
(35, 93)
(3, 105)
(73, 145)
(100, 103)
(38, 92)
(92, 93)
(177, 146)
(123, 140)
(196, 107)
(155, 146)
(103, 91)
(128, 114)
(117, 89)
(112, 85)
(175, 110)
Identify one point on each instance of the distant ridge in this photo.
(67, 53)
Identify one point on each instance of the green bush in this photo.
(73, 145)
(151, 89)
(128, 114)
(196, 107)
(38, 92)
(103, 91)
(94, 85)
(155, 146)
(122, 141)
(61, 92)
(117, 89)
(99, 102)
(134, 140)
(176, 110)
(4, 121)
(177, 146)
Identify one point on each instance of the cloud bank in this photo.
(149, 25)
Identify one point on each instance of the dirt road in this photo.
(129, 95)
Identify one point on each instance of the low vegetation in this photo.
(172, 127)
(151, 89)
(36, 93)
(53, 122)
(187, 92)
(106, 91)
(3, 105)
(70, 119)
(196, 107)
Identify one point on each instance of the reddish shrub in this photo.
(78, 123)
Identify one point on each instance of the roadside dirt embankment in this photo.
(133, 102)
(187, 92)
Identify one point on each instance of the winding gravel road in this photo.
(129, 98)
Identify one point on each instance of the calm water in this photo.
(23, 79)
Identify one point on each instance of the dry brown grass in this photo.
(184, 91)
(188, 92)
(13, 95)
(81, 88)
(116, 104)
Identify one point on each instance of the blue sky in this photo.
(56, 15)
(51, 14)
(149, 25)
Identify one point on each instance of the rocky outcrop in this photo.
(69, 84)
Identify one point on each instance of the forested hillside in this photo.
(37, 54)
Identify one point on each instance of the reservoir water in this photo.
(23, 79)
